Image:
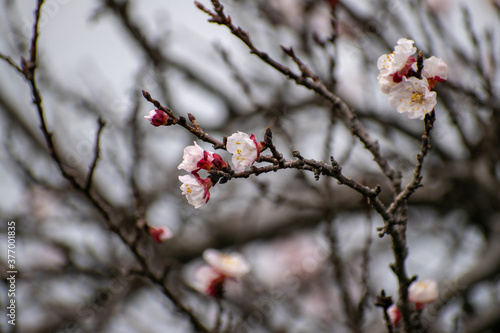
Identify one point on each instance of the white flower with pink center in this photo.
(194, 157)
(391, 63)
(209, 281)
(232, 265)
(195, 189)
(435, 70)
(244, 148)
(393, 67)
(413, 97)
(423, 292)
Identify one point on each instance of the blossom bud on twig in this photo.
(159, 118)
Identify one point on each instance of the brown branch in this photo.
(385, 302)
(159, 58)
(195, 129)
(318, 87)
(415, 183)
(300, 163)
(97, 150)
(354, 321)
(11, 63)
(28, 70)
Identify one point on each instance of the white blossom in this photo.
(192, 155)
(435, 67)
(207, 280)
(413, 97)
(423, 292)
(391, 64)
(196, 192)
(232, 265)
(386, 82)
(243, 148)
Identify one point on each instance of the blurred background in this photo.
(95, 57)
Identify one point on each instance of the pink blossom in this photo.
(160, 234)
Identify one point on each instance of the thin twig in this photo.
(195, 129)
(415, 183)
(350, 311)
(97, 150)
(11, 63)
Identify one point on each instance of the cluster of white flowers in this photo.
(398, 77)
(420, 293)
(210, 279)
(245, 150)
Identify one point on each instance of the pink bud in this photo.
(158, 118)
(394, 315)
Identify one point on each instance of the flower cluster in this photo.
(245, 150)
(195, 188)
(409, 87)
(420, 293)
(210, 279)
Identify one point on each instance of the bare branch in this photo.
(97, 149)
(11, 63)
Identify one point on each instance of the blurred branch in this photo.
(415, 183)
(354, 318)
(11, 63)
(28, 69)
(97, 149)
